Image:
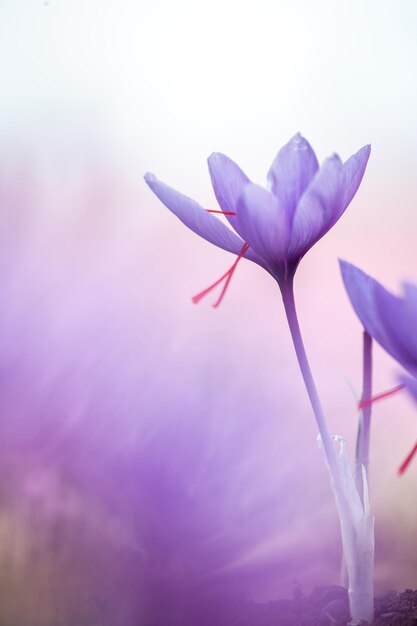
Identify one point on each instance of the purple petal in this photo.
(318, 208)
(354, 170)
(195, 217)
(410, 384)
(410, 317)
(366, 296)
(392, 312)
(410, 314)
(292, 171)
(228, 182)
(263, 223)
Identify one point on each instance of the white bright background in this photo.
(172, 81)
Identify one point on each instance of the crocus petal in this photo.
(405, 327)
(366, 296)
(194, 216)
(292, 171)
(410, 384)
(318, 208)
(411, 307)
(393, 314)
(354, 170)
(228, 182)
(263, 223)
(410, 317)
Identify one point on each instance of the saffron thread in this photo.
(379, 396)
(407, 460)
(227, 277)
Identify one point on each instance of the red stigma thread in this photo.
(222, 212)
(407, 460)
(227, 277)
(379, 396)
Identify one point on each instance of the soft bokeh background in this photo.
(157, 459)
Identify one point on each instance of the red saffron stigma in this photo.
(379, 396)
(407, 460)
(227, 277)
(222, 212)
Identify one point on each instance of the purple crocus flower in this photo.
(390, 320)
(273, 227)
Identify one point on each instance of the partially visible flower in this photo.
(273, 227)
(391, 321)
(411, 385)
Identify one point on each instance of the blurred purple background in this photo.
(158, 459)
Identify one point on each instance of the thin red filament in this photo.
(227, 277)
(407, 460)
(379, 396)
(222, 212)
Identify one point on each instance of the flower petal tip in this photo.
(342, 266)
(298, 142)
(355, 281)
(150, 178)
(216, 161)
(335, 158)
(348, 269)
(365, 152)
(212, 158)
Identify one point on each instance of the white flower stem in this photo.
(292, 318)
(355, 520)
(364, 427)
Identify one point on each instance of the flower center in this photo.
(227, 277)
(379, 396)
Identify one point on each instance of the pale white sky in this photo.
(167, 82)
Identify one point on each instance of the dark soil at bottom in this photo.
(326, 606)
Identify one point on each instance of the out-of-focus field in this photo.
(159, 458)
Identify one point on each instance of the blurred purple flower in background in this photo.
(276, 227)
(391, 321)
